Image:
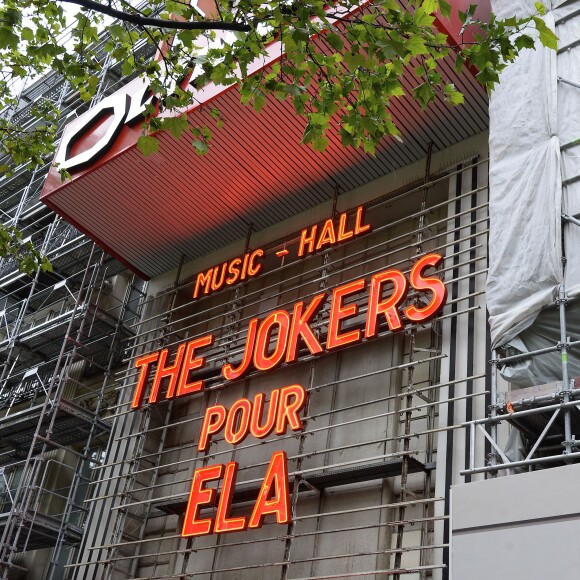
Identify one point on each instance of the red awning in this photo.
(149, 212)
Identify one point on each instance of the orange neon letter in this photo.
(190, 363)
(254, 269)
(223, 523)
(233, 271)
(237, 430)
(213, 421)
(433, 285)
(198, 496)
(301, 327)
(359, 227)
(343, 233)
(221, 272)
(339, 312)
(144, 363)
(327, 236)
(163, 372)
(275, 487)
(389, 306)
(292, 401)
(261, 431)
(307, 241)
(228, 371)
(262, 360)
(203, 280)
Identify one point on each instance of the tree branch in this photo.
(158, 22)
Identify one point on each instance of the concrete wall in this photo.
(519, 527)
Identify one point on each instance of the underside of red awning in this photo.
(149, 212)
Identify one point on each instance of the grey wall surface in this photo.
(519, 527)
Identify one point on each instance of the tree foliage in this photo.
(340, 64)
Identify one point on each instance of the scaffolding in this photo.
(543, 419)
(62, 335)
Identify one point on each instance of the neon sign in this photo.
(271, 341)
(291, 330)
(311, 240)
(356, 311)
(273, 498)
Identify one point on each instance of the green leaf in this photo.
(258, 101)
(354, 60)
(369, 146)
(200, 146)
(13, 16)
(416, 45)
(300, 35)
(147, 145)
(453, 95)
(27, 34)
(459, 62)
(547, 36)
(541, 9)
(175, 125)
(467, 16)
(8, 39)
(524, 41)
(430, 6)
(320, 142)
(424, 93)
(423, 18)
(335, 41)
(445, 8)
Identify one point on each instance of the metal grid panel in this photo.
(72, 425)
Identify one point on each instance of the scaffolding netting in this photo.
(534, 186)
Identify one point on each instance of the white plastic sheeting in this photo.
(534, 122)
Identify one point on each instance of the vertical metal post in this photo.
(26, 491)
(296, 485)
(562, 300)
(472, 445)
(493, 409)
(405, 459)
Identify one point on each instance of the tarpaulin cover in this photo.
(534, 123)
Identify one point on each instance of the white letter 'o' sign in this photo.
(116, 105)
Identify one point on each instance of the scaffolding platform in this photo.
(41, 531)
(44, 338)
(541, 398)
(72, 425)
(321, 481)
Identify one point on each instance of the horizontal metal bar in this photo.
(567, 17)
(523, 463)
(411, 435)
(167, 498)
(215, 455)
(566, 48)
(318, 388)
(571, 180)
(516, 414)
(532, 353)
(222, 545)
(390, 572)
(205, 315)
(222, 308)
(296, 518)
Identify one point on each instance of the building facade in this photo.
(303, 388)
